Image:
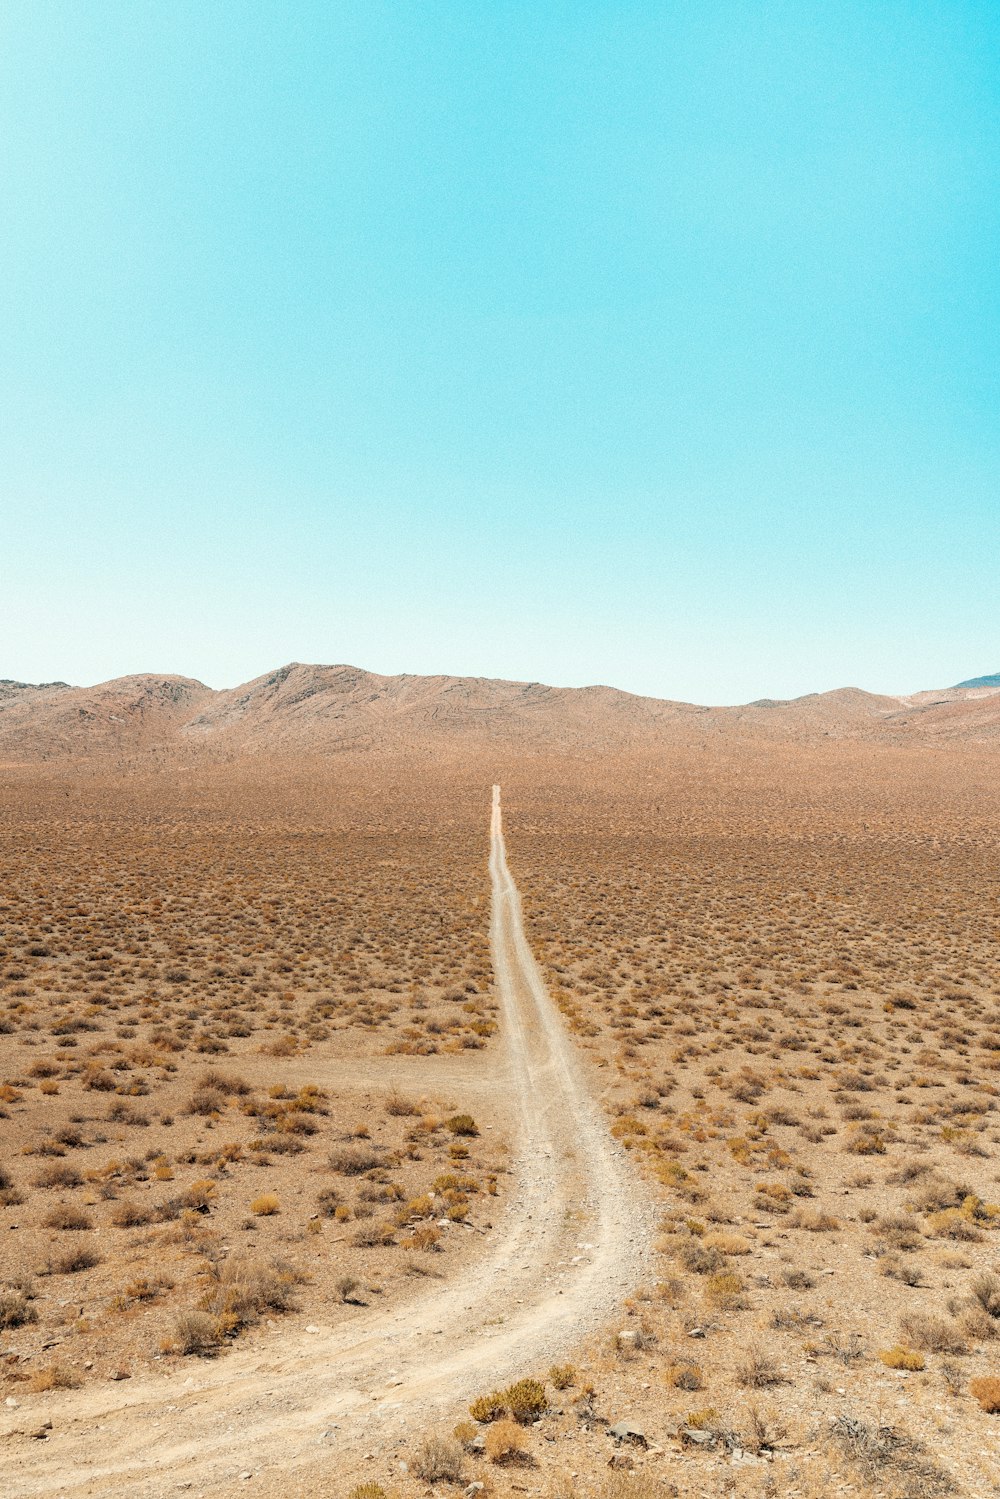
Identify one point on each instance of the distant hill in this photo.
(308, 710)
(993, 680)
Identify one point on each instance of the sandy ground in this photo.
(575, 1240)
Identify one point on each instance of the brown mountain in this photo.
(328, 709)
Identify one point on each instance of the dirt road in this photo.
(572, 1242)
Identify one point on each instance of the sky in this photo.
(646, 344)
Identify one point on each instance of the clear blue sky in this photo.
(651, 344)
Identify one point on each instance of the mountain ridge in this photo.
(302, 707)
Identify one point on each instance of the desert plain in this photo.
(649, 1149)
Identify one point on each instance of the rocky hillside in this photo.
(302, 709)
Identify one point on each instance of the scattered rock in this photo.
(474, 1489)
(621, 1460)
(627, 1431)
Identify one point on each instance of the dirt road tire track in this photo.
(573, 1241)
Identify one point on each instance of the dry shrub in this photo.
(400, 1107)
(64, 1217)
(986, 1289)
(374, 1234)
(194, 1332)
(206, 1101)
(354, 1160)
(757, 1369)
(59, 1174)
(15, 1309)
(725, 1291)
(759, 1430)
(504, 1441)
(242, 1288)
(882, 1455)
(438, 1459)
(266, 1205)
(561, 1376)
(131, 1214)
(986, 1390)
(902, 1358)
(224, 1082)
(618, 1485)
(488, 1407)
(726, 1243)
(684, 1376)
(525, 1399)
(933, 1334)
(72, 1260)
(55, 1377)
(700, 1259)
(814, 1222)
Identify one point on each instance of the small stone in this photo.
(474, 1489)
(627, 1431)
(11, 1403)
(312, 1327)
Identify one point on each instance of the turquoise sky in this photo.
(646, 344)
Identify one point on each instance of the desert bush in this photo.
(59, 1174)
(797, 1280)
(933, 1334)
(504, 1441)
(194, 1332)
(525, 1399)
(242, 1288)
(757, 1369)
(561, 1376)
(986, 1290)
(725, 1291)
(683, 1376)
(266, 1205)
(64, 1217)
(354, 1160)
(438, 1459)
(369, 1490)
(206, 1101)
(224, 1082)
(55, 1377)
(398, 1106)
(902, 1358)
(15, 1309)
(131, 1214)
(986, 1390)
(693, 1255)
(72, 1260)
(462, 1124)
(374, 1234)
(882, 1454)
(345, 1286)
(489, 1407)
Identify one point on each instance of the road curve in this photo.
(573, 1240)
